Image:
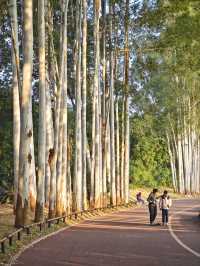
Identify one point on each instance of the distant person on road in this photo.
(165, 203)
(152, 200)
(139, 198)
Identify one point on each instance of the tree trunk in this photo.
(112, 134)
(92, 176)
(32, 188)
(78, 132)
(64, 184)
(39, 212)
(64, 151)
(126, 111)
(111, 99)
(122, 180)
(54, 153)
(49, 106)
(171, 156)
(60, 180)
(16, 94)
(84, 93)
(103, 42)
(97, 105)
(117, 154)
(59, 163)
(26, 125)
(69, 183)
(49, 143)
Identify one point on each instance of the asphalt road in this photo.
(124, 238)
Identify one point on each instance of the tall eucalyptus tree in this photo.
(126, 104)
(16, 93)
(26, 132)
(39, 212)
(84, 100)
(78, 174)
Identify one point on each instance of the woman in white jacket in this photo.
(164, 204)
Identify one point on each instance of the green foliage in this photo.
(6, 156)
(149, 158)
(166, 74)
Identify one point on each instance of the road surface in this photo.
(123, 238)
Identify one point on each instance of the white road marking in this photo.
(177, 239)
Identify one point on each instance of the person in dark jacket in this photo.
(152, 200)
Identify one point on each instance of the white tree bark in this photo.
(61, 161)
(26, 125)
(59, 207)
(173, 169)
(122, 179)
(64, 189)
(97, 105)
(16, 94)
(49, 143)
(54, 153)
(117, 154)
(69, 183)
(39, 213)
(78, 178)
(32, 189)
(126, 111)
(112, 134)
(104, 120)
(84, 93)
(92, 176)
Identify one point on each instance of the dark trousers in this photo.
(152, 212)
(165, 215)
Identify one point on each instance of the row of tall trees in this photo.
(170, 77)
(183, 122)
(71, 155)
(85, 74)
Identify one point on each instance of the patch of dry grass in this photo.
(6, 219)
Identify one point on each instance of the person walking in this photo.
(152, 200)
(165, 203)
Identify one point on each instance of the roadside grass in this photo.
(6, 219)
(26, 239)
